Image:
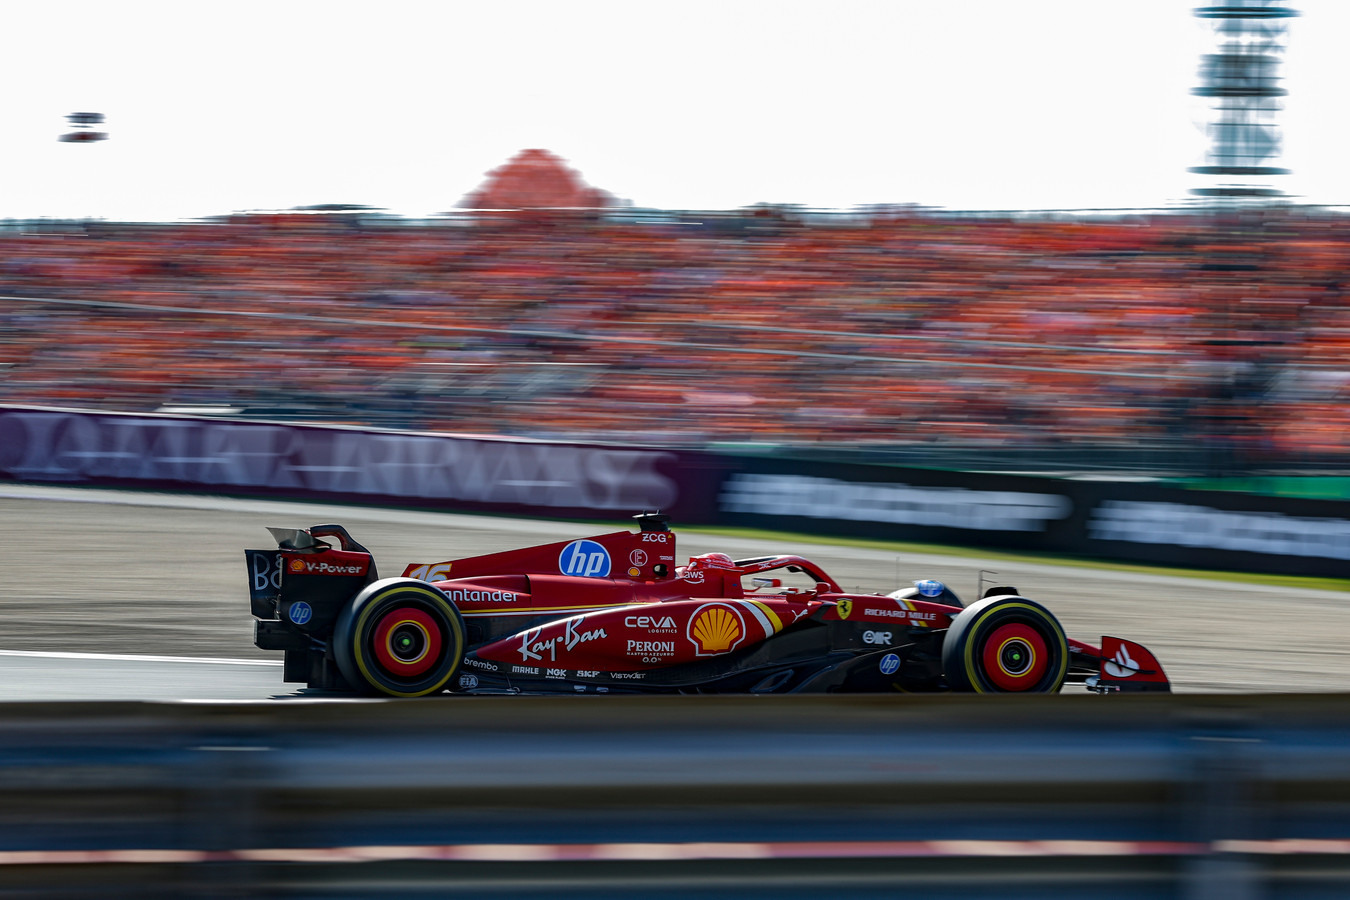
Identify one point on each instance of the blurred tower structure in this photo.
(1241, 82)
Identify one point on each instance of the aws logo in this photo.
(715, 628)
(586, 558)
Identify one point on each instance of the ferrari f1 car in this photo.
(615, 613)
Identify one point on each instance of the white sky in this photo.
(966, 104)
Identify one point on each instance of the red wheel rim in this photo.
(1015, 657)
(407, 641)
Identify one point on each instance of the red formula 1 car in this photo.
(616, 613)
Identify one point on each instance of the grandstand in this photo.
(1174, 343)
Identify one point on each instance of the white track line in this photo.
(126, 657)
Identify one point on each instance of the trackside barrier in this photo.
(363, 465)
(1103, 519)
(1195, 796)
(1100, 518)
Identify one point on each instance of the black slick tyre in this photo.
(400, 637)
(1005, 644)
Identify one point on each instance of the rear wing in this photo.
(304, 577)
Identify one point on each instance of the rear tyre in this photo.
(400, 637)
(1005, 644)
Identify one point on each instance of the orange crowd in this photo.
(887, 330)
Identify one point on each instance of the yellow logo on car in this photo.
(716, 629)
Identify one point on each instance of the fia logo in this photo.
(586, 558)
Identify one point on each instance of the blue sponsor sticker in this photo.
(889, 663)
(585, 558)
(300, 612)
(930, 588)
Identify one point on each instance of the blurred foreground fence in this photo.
(1189, 797)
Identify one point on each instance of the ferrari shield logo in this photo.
(844, 607)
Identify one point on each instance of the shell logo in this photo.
(715, 628)
(297, 565)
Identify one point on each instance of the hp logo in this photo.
(300, 613)
(889, 663)
(584, 558)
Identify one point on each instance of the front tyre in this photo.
(1005, 644)
(400, 637)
